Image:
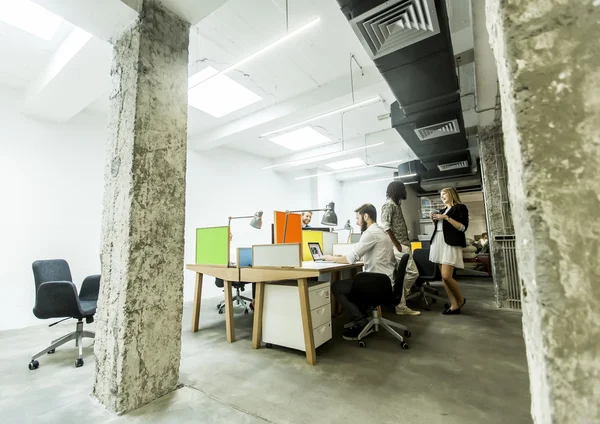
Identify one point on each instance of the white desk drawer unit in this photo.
(282, 321)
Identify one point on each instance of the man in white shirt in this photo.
(377, 253)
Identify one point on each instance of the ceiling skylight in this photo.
(303, 138)
(29, 16)
(218, 96)
(348, 163)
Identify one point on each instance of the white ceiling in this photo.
(305, 77)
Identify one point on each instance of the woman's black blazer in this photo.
(452, 236)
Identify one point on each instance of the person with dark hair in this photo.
(393, 223)
(377, 253)
(306, 218)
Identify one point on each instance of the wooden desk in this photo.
(228, 275)
(262, 276)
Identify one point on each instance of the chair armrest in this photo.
(90, 288)
(56, 299)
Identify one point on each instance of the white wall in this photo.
(52, 187)
(51, 191)
(223, 183)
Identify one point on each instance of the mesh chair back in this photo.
(427, 269)
(372, 289)
(50, 270)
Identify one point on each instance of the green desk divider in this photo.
(212, 246)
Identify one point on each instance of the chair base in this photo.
(373, 326)
(425, 291)
(238, 301)
(76, 335)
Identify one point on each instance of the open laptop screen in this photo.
(315, 251)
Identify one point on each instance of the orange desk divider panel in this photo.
(294, 227)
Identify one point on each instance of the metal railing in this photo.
(506, 244)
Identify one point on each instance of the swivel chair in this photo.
(56, 297)
(242, 301)
(428, 271)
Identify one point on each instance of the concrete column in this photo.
(497, 208)
(138, 343)
(549, 71)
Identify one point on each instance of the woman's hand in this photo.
(439, 216)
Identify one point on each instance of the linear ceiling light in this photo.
(345, 164)
(322, 157)
(263, 50)
(320, 174)
(31, 17)
(323, 115)
(391, 178)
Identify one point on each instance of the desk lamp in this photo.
(256, 219)
(329, 217)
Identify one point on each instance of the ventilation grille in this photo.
(394, 25)
(438, 130)
(453, 165)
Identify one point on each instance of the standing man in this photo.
(393, 223)
(377, 252)
(306, 218)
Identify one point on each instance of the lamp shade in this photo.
(329, 217)
(348, 226)
(256, 221)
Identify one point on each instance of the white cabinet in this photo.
(282, 321)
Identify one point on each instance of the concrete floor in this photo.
(459, 369)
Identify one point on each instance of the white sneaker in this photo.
(405, 310)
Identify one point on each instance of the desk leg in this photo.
(309, 338)
(197, 300)
(229, 312)
(258, 314)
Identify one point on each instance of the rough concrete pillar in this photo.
(549, 71)
(497, 210)
(138, 341)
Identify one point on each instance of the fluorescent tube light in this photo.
(320, 174)
(264, 49)
(219, 97)
(31, 17)
(323, 115)
(390, 178)
(348, 163)
(300, 139)
(322, 157)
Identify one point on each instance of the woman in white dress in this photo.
(447, 242)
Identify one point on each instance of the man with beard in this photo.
(377, 253)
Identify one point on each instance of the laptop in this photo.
(317, 253)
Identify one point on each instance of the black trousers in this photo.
(342, 290)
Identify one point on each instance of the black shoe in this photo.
(351, 333)
(447, 305)
(451, 312)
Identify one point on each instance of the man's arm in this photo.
(365, 244)
(386, 224)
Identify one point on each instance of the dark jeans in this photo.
(342, 290)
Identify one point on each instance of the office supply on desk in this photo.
(428, 271)
(265, 276)
(325, 239)
(56, 297)
(212, 245)
(256, 221)
(372, 290)
(329, 217)
(276, 255)
(317, 253)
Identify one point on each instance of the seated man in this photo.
(377, 252)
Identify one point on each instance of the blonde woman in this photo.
(447, 242)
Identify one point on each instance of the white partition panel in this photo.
(342, 248)
(329, 239)
(284, 255)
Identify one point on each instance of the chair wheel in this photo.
(407, 333)
(246, 311)
(404, 345)
(50, 352)
(79, 362)
(34, 365)
(361, 344)
(218, 307)
(221, 310)
(269, 346)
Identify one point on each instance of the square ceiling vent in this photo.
(453, 165)
(438, 130)
(394, 25)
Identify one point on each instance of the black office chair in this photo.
(242, 301)
(56, 297)
(371, 290)
(428, 271)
